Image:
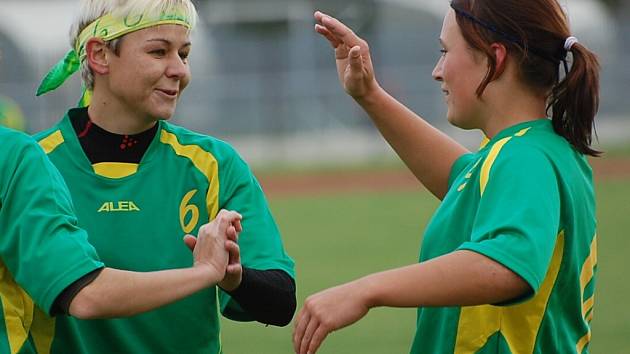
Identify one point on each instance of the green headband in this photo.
(107, 28)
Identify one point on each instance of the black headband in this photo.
(514, 39)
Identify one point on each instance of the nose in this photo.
(177, 68)
(437, 71)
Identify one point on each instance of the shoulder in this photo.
(188, 137)
(193, 142)
(12, 139)
(19, 151)
(539, 144)
(45, 133)
(18, 145)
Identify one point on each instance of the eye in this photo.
(184, 56)
(158, 52)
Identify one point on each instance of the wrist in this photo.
(372, 96)
(231, 285)
(210, 275)
(367, 292)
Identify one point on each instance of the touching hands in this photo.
(328, 311)
(216, 246)
(354, 65)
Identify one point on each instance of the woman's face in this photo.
(151, 70)
(460, 69)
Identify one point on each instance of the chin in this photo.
(163, 114)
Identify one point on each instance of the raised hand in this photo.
(354, 65)
(213, 245)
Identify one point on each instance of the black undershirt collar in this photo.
(100, 145)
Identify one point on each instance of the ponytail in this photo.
(575, 100)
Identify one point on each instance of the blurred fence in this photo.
(265, 81)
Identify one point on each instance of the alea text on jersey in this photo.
(120, 206)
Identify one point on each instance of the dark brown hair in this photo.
(534, 32)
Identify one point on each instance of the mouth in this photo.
(446, 92)
(168, 93)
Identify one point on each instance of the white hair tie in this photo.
(568, 44)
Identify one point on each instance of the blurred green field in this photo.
(337, 238)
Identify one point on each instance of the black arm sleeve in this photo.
(267, 295)
(61, 306)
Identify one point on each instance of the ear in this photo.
(97, 56)
(501, 58)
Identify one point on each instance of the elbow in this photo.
(86, 306)
(280, 312)
(512, 287)
(287, 315)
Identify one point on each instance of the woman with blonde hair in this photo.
(508, 261)
(137, 180)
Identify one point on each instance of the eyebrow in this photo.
(166, 41)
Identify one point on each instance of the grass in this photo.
(334, 239)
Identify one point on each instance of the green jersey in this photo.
(42, 250)
(526, 201)
(136, 216)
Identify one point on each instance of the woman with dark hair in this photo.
(509, 259)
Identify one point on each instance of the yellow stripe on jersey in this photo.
(587, 274)
(492, 156)
(487, 164)
(588, 305)
(522, 131)
(42, 331)
(484, 142)
(581, 344)
(588, 269)
(17, 309)
(115, 169)
(51, 142)
(519, 324)
(204, 162)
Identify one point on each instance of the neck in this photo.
(114, 116)
(511, 106)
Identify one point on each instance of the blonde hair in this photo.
(91, 10)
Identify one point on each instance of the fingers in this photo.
(334, 42)
(232, 235)
(190, 242)
(302, 321)
(337, 30)
(318, 337)
(356, 62)
(312, 326)
(238, 225)
(234, 251)
(309, 334)
(227, 218)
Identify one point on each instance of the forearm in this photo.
(427, 152)
(118, 293)
(462, 278)
(267, 295)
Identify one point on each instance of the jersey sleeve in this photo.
(519, 214)
(260, 242)
(41, 245)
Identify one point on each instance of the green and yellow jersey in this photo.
(42, 250)
(525, 200)
(136, 216)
